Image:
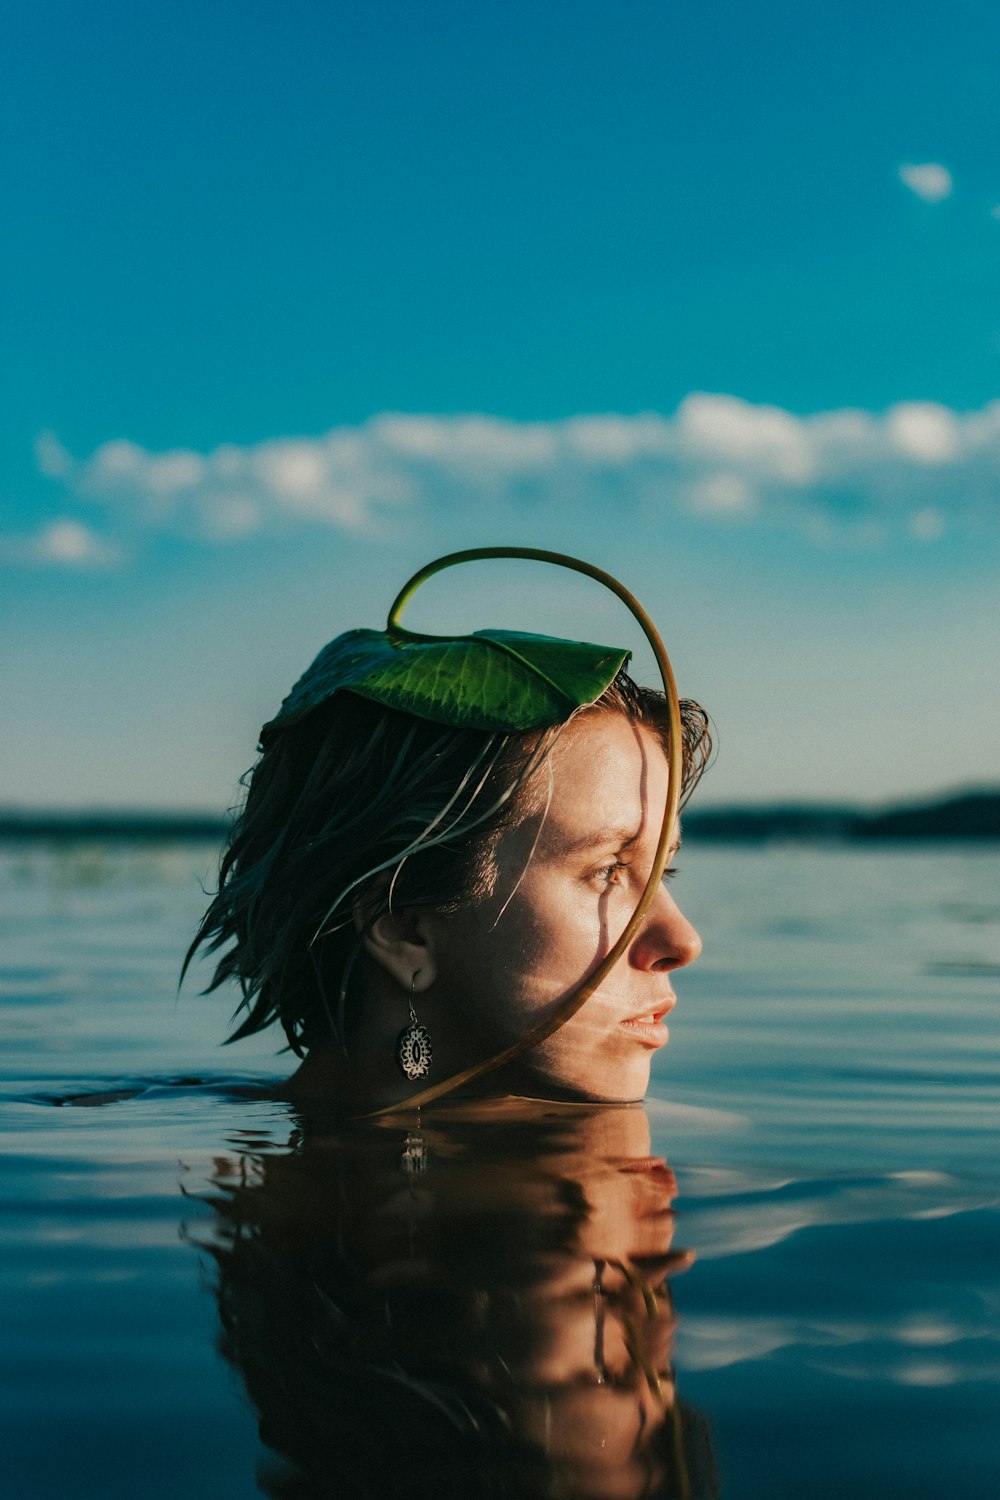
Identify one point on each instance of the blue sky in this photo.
(296, 298)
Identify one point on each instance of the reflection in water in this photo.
(478, 1307)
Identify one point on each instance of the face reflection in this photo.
(523, 1271)
(569, 879)
(597, 1384)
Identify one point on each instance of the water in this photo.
(511, 1307)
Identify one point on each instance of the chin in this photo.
(596, 1086)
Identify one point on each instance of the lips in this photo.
(655, 1165)
(648, 1028)
(650, 1017)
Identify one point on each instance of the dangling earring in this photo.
(413, 1045)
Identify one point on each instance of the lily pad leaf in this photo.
(495, 679)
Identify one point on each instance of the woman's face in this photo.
(569, 879)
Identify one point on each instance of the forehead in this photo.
(607, 776)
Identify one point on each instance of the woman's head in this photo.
(379, 852)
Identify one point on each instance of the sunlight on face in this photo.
(569, 879)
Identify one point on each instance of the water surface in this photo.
(805, 1301)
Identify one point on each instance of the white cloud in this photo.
(924, 431)
(929, 180)
(762, 439)
(65, 543)
(915, 470)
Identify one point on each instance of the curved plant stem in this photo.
(583, 992)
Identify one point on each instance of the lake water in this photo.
(805, 1302)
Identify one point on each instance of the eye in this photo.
(613, 874)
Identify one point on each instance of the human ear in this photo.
(398, 942)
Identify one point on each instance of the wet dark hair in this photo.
(363, 809)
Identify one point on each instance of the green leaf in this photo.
(494, 679)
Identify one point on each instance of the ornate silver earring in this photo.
(414, 1158)
(413, 1045)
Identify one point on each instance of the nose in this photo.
(666, 940)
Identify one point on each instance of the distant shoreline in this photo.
(968, 816)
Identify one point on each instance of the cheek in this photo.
(538, 928)
(557, 922)
(530, 954)
(543, 957)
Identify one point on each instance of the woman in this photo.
(403, 885)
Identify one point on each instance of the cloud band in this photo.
(919, 466)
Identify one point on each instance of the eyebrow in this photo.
(618, 838)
